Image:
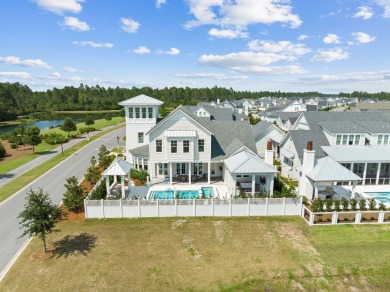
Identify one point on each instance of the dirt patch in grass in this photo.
(14, 153)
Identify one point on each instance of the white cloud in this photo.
(69, 69)
(251, 62)
(386, 6)
(129, 25)
(55, 74)
(227, 33)
(364, 12)
(34, 63)
(331, 39)
(241, 13)
(93, 44)
(172, 51)
(363, 38)
(141, 50)
(75, 24)
(18, 75)
(216, 76)
(302, 37)
(61, 6)
(284, 47)
(330, 55)
(159, 3)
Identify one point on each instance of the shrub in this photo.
(305, 200)
(13, 145)
(371, 204)
(55, 138)
(353, 203)
(345, 204)
(362, 205)
(140, 174)
(2, 150)
(93, 174)
(328, 205)
(86, 130)
(100, 192)
(382, 207)
(73, 197)
(317, 205)
(337, 205)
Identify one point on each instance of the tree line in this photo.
(17, 99)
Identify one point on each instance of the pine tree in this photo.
(73, 197)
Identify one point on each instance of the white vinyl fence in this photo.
(192, 208)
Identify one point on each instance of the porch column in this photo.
(253, 184)
(353, 189)
(157, 169)
(128, 181)
(189, 173)
(115, 179)
(108, 185)
(271, 186)
(209, 172)
(377, 173)
(364, 174)
(123, 186)
(349, 183)
(316, 190)
(170, 173)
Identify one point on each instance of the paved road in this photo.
(6, 178)
(51, 182)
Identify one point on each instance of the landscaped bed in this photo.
(205, 254)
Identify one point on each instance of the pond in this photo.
(53, 119)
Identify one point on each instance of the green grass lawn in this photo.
(205, 254)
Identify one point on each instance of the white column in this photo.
(189, 173)
(108, 186)
(170, 173)
(316, 190)
(353, 189)
(123, 186)
(377, 173)
(364, 174)
(209, 172)
(115, 179)
(253, 184)
(271, 186)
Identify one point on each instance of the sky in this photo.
(329, 46)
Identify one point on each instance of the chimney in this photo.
(269, 153)
(217, 100)
(305, 186)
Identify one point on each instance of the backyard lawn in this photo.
(205, 254)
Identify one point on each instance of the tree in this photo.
(93, 174)
(107, 117)
(73, 197)
(2, 150)
(89, 120)
(33, 136)
(253, 120)
(104, 157)
(68, 125)
(39, 216)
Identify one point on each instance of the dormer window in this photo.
(137, 112)
(131, 112)
(144, 112)
(150, 111)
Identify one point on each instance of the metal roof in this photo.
(118, 167)
(358, 153)
(328, 169)
(141, 100)
(247, 163)
(140, 151)
(287, 153)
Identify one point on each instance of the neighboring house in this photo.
(311, 107)
(265, 131)
(368, 106)
(186, 147)
(295, 106)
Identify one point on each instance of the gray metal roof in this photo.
(260, 127)
(358, 153)
(118, 167)
(140, 151)
(328, 169)
(376, 126)
(141, 99)
(346, 127)
(300, 138)
(247, 163)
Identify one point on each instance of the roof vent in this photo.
(309, 146)
(269, 145)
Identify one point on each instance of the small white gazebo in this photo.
(120, 168)
(329, 170)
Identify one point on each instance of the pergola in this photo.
(329, 170)
(120, 168)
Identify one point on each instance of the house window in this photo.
(159, 146)
(163, 169)
(180, 168)
(351, 138)
(144, 112)
(380, 138)
(186, 146)
(131, 112)
(198, 168)
(174, 146)
(201, 145)
(345, 139)
(386, 140)
(150, 111)
(140, 137)
(145, 164)
(357, 139)
(288, 161)
(136, 163)
(137, 112)
(338, 140)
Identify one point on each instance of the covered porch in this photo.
(122, 169)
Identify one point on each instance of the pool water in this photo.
(383, 197)
(169, 194)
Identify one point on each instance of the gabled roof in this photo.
(260, 127)
(140, 151)
(346, 126)
(247, 163)
(118, 167)
(328, 169)
(141, 99)
(300, 138)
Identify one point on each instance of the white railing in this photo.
(95, 186)
(192, 208)
(346, 217)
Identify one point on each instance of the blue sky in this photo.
(288, 45)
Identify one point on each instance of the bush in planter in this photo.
(353, 203)
(371, 204)
(362, 205)
(305, 200)
(317, 205)
(345, 204)
(328, 205)
(337, 205)
(382, 207)
(141, 174)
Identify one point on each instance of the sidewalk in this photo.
(7, 177)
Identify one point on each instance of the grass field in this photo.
(205, 254)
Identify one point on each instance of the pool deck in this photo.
(220, 188)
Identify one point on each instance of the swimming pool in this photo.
(169, 194)
(383, 197)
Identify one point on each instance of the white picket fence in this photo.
(192, 208)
